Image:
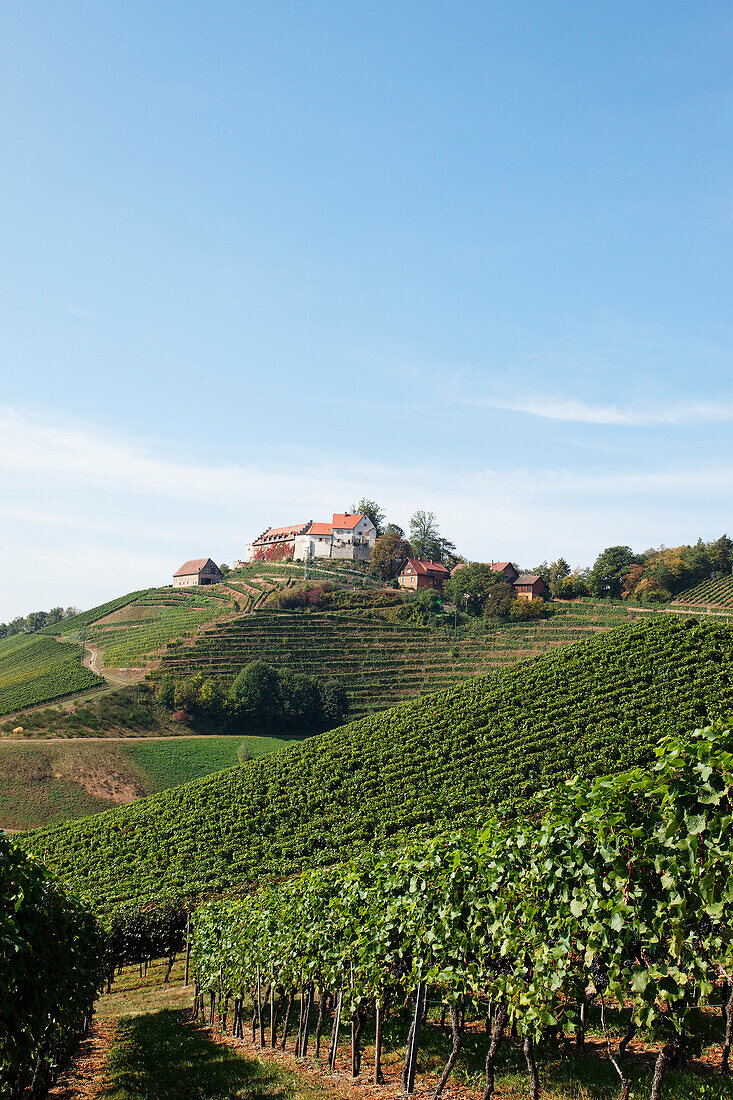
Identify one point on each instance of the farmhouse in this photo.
(417, 573)
(529, 586)
(349, 535)
(197, 571)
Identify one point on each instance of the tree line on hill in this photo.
(260, 698)
(656, 575)
(36, 620)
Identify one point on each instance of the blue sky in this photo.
(261, 259)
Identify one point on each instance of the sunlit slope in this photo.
(453, 757)
(35, 668)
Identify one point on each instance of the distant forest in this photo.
(36, 621)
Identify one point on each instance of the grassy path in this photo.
(143, 1047)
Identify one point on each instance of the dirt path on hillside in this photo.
(120, 677)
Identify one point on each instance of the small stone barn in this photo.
(197, 571)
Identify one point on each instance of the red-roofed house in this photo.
(417, 573)
(197, 571)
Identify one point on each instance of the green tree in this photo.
(256, 693)
(427, 541)
(605, 579)
(186, 693)
(371, 509)
(470, 587)
(390, 553)
(721, 554)
(334, 702)
(558, 571)
(501, 599)
(300, 700)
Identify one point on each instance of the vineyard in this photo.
(525, 927)
(35, 668)
(711, 593)
(379, 663)
(51, 966)
(76, 623)
(485, 747)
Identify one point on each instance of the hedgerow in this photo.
(488, 745)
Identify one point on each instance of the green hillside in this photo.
(451, 758)
(35, 668)
(75, 624)
(381, 663)
(45, 782)
(134, 632)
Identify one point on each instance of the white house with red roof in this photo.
(350, 535)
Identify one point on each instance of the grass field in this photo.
(42, 782)
(143, 1047)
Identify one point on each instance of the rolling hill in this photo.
(382, 663)
(45, 782)
(484, 747)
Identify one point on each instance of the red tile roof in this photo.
(320, 529)
(347, 519)
(276, 534)
(195, 565)
(427, 568)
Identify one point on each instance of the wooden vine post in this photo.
(413, 1043)
(188, 949)
(335, 1031)
(378, 1075)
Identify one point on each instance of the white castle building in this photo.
(350, 535)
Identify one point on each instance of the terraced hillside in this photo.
(713, 593)
(35, 668)
(484, 747)
(380, 663)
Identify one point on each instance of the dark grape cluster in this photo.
(599, 974)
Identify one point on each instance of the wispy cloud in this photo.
(570, 409)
